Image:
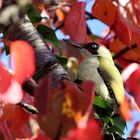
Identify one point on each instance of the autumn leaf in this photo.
(105, 11)
(17, 118)
(135, 129)
(10, 89)
(125, 34)
(125, 110)
(132, 83)
(60, 102)
(75, 23)
(22, 59)
(90, 132)
(131, 55)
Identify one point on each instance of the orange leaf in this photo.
(104, 10)
(125, 110)
(131, 55)
(75, 23)
(135, 129)
(22, 57)
(60, 14)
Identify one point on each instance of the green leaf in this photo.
(49, 35)
(108, 120)
(115, 129)
(7, 49)
(63, 61)
(100, 102)
(119, 122)
(33, 14)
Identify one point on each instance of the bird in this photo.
(98, 66)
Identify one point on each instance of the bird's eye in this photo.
(95, 45)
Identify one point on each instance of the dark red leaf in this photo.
(60, 102)
(5, 79)
(75, 23)
(17, 120)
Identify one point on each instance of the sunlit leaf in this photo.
(100, 102)
(104, 10)
(22, 58)
(132, 83)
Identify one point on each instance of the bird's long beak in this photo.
(92, 47)
(73, 43)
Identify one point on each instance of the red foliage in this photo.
(104, 10)
(90, 132)
(10, 90)
(75, 23)
(132, 84)
(62, 102)
(125, 33)
(22, 58)
(135, 129)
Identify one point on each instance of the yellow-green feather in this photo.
(112, 75)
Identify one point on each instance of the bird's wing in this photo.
(110, 73)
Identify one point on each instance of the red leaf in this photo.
(60, 102)
(5, 133)
(40, 136)
(104, 10)
(135, 129)
(10, 90)
(17, 120)
(132, 55)
(75, 23)
(5, 79)
(136, 7)
(125, 34)
(22, 57)
(132, 83)
(90, 132)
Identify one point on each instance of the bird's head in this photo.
(91, 49)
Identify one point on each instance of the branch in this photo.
(46, 62)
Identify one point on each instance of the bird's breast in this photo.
(88, 71)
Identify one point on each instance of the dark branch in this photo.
(123, 51)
